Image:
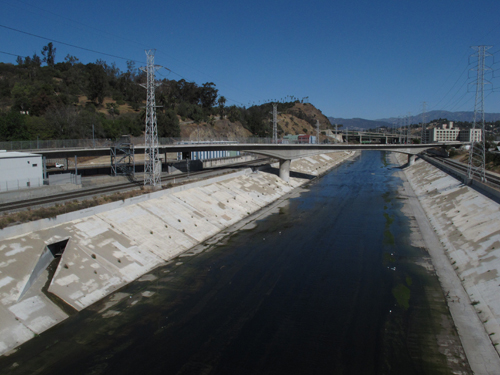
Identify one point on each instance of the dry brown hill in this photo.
(299, 119)
(296, 120)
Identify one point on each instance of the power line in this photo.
(73, 21)
(458, 79)
(12, 54)
(132, 41)
(69, 44)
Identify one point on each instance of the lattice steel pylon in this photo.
(317, 132)
(275, 123)
(424, 133)
(477, 150)
(152, 164)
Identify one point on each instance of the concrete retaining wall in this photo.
(468, 224)
(114, 244)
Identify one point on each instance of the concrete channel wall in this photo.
(111, 245)
(468, 226)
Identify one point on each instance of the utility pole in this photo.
(424, 134)
(275, 123)
(152, 165)
(477, 150)
(317, 132)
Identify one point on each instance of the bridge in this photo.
(285, 153)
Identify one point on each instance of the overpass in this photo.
(285, 153)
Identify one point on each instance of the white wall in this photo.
(20, 171)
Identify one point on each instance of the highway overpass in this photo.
(284, 152)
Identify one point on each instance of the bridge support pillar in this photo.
(285, 170)
(411, 159)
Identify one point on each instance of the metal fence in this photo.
(21, 183)
(137, 141)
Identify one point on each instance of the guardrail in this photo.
(99, 143)
(137, 141)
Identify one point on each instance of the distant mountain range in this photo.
(359, 123)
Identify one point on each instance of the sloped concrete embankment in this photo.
(468, 226)
(111, 245)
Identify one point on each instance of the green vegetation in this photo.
(389, 237)
(388, 219)
(402, 294)
(44, 99)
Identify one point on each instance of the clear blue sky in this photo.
(352, 58)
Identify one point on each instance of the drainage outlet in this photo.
(51, 253)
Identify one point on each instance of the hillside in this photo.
(293, 118)
(41, 98)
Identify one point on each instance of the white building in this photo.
(448, 133)
(19, 170)
(468, 135)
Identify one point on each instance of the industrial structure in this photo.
(477, 150)
(152, 164)
(20, 170)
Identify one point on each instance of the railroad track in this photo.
(64, 197)
(491, 178)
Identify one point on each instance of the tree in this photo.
(96, 86)
(13, 127)
(49, 54)
(234, 113)
(21, 94)
(64, 121)
(221, 102)
(168, 124)
(72, 60)
(208, 95)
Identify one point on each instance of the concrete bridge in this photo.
(285, 153)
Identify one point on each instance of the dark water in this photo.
(328, 285)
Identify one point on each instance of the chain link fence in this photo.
(137, 141)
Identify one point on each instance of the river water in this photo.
(327, 284)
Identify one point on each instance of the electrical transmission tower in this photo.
(275, 123)
(423, 124)
(317, 132)
(152, 164)
(477, 151)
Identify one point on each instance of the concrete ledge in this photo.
(21, 229)
(481, 186)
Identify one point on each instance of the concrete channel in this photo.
(96, 251)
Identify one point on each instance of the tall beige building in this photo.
(448, 133)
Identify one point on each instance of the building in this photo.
(306, 138)
(448, 133)
(290, 139)
(19, 170)
(207, 155)
(467, 135)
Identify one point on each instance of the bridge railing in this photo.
(137, 141)
(98, 143)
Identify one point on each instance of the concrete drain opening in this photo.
(51, 256)
(57, 248)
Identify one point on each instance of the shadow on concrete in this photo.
(293, 174)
